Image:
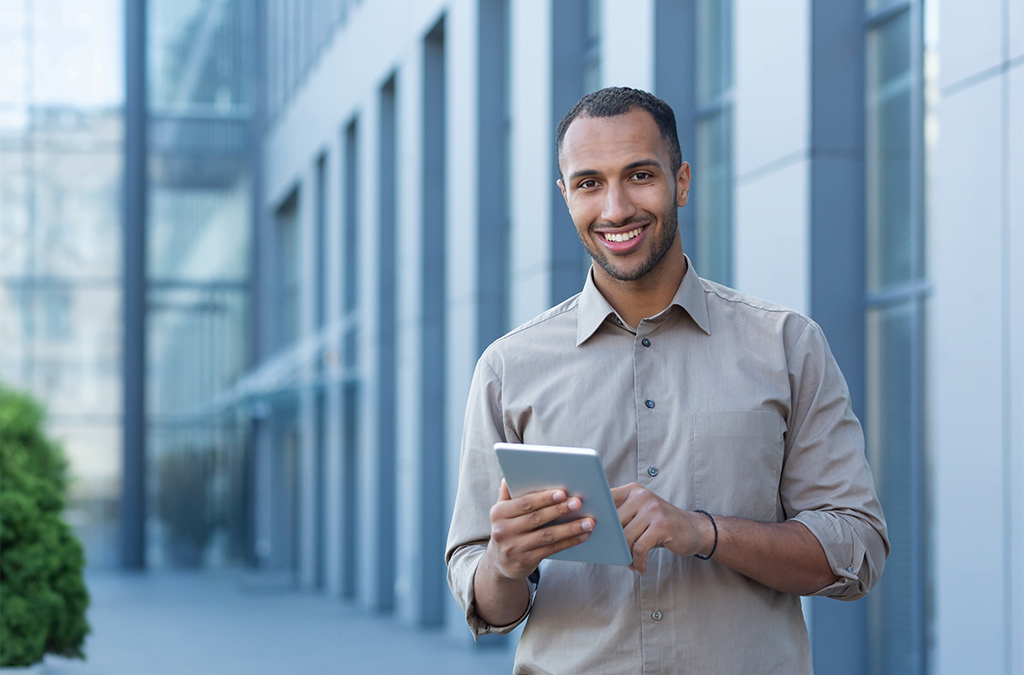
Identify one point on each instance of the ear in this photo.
(561, 186)
(683, 184)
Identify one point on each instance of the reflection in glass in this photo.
(714, 49)
(890, 257)
(713, 198)
(201, 87)
(592, 47)
(890, 420)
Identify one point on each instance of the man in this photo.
(723, 421)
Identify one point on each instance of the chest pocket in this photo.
(738, 462)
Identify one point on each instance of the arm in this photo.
(834, 540)
(519, 541)
(783, 556)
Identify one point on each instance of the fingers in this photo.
(508, 508)
(643, 545)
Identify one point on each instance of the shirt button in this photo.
(649, 403)
(652, 472)
(656, 615)
(849, 569)
(645, 342)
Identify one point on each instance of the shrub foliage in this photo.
(42, 592)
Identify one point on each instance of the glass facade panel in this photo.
(60, 287)
(714, 49)
(894, 345)
(592, 50)
(713, 197)
(895, 606)
(200, 79)
(712, 164)
(890, 258)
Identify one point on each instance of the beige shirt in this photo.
(722, 402)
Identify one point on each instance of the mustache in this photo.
(634, 220)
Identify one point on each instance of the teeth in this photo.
(625, 236)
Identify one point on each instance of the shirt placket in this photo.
(653, 622)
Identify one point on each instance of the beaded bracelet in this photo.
(713, 548)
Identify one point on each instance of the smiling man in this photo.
(722, 420)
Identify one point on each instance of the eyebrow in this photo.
(640, 163)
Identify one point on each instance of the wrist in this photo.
(708, 530)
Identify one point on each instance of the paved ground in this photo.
(226, 622)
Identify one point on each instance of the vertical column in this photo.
(133, 485)
(333, 534)
(476, 215)
(433, 519)
(838, 629)
(307, 436)
(568, 45)
(376, 422)
(674, 83)
(533, 177)
(421, 346)
(771, 255)
(348, 247)
(624, 26)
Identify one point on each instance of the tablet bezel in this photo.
(580, 472)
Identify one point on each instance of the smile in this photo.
(621, 237)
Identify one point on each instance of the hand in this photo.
(649, 522)
(519, 540)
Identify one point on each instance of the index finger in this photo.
(528, 503)
(621, 493)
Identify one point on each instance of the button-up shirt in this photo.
(721, 402)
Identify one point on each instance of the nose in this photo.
(618, 207)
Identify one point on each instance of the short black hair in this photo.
(614, 101)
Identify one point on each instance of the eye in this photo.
(642, 175)
(587, 184)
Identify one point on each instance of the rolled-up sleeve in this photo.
(479, 483)
(826, 483)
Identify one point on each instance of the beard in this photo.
(659, 247)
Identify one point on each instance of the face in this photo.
(621, 193)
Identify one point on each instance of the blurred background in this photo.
(251, 249)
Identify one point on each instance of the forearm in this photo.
(783, 556)
(498, 599)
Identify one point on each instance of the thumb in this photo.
(504, 495)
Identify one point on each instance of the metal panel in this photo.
(133, 496)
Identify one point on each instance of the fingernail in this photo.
(584, 536)
(574, 504)
(558, 495)
(588, 525)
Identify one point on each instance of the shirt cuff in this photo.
(846, 552)
(461, 573)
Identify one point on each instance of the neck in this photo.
(648, 296)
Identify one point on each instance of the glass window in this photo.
(894, 325)
(712, 164)
(592, 47)
(888, 154)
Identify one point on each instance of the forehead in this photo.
(607, 142)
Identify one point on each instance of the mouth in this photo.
(622, 237)
(622, 241)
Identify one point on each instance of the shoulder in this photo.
(729, 309)
(551, 331)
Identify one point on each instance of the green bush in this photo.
(42, 593)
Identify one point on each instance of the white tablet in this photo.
(578, 471)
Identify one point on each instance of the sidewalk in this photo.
(173, 623)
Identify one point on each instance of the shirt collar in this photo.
(594, 309)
